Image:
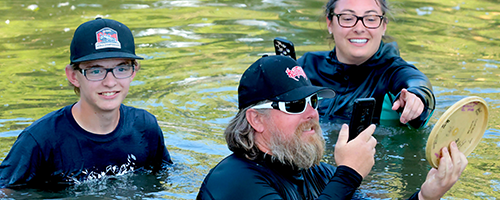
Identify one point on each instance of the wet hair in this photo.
(240, 135)
(76, 67)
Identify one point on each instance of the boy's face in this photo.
(107, 94)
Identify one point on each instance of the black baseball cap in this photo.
(276, 78)
(100, 39)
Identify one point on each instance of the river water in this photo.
(195, 52)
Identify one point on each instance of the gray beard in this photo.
(295, 151)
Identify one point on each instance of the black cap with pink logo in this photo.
(276, 78)
(100, 39)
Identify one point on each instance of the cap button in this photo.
(98, 18)
(265, 55)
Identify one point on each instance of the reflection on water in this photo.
(195, 52)
(139, 185)
(400, 165)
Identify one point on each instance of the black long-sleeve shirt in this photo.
(238, 178)
(384, 74)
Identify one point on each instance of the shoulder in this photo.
(53, 115)
(315, 64)
(51, 121)
(45, 132)
(403, 63)
(137, 114)
(401, 68)
(135, 111)
(139, 120)
(232, 167)
(389, 53)
(231, 174)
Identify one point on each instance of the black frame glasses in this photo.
(114, 71)
(362, 19)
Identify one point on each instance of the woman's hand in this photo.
(413, 106)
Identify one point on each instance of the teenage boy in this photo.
(97, 135)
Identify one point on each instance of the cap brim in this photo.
(104, 55)
(303, 92)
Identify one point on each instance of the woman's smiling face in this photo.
(357, 44)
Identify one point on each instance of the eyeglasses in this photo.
(350, 20)
(100, 73)
(292, 107)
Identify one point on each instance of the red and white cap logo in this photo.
(296, 73)
(107, 38)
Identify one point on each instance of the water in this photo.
(195, 52)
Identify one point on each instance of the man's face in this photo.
(295, 138)
(106, 94)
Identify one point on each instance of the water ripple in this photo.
(134, 6)
(183, 3)
(172, 44)
(171, 31)
(249, 39)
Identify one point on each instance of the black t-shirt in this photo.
(239, 178)
(55, 149)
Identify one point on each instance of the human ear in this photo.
(255, 119)
(384, 27)
(137, 66)
(329, 25)
(71, 75)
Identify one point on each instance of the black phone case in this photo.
(362, 114)
(284, 47)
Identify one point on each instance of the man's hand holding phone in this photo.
(358, 154)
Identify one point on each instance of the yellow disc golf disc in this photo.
(464, 122)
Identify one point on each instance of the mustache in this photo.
(313, 124)
(300, 152)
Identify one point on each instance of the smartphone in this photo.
(284, 47)
(362, 114)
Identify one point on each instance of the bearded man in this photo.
(277, 144)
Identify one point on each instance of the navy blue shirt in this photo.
(55, 149)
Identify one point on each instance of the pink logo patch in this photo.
(107, 38)
(296, 73)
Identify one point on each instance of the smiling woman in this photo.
(362, 66)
